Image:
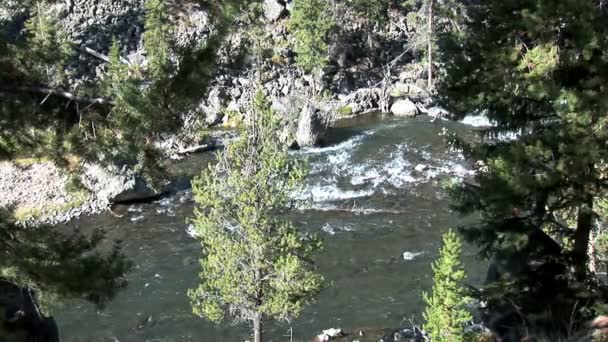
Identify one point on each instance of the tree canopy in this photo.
(255, 265)
(537, 70)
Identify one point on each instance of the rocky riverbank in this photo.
(366, 72)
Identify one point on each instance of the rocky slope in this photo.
(363, 75)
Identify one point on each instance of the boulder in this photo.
(330, 334)
(112, 184)
(273, 10)
(216, 102)
(405, 108)
(414, 334)
(333, 332)
(421, 167)
(310, 127)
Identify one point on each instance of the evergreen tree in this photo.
(430, 21)
(373, 12)
(446, 312)
(255, 264)
(311, 23)
(31, 70)
(537, 69)
(157, 38)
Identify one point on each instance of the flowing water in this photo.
(373, 195)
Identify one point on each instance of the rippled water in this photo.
(373, 195)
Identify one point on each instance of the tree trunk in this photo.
(257, 328)
(584, 226)
(430, 42)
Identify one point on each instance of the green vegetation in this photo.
(156, 39)
(446, 311)
(345, 111)
(255, 264)
(537, 69)
(310, 23)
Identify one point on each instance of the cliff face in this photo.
(358, 55)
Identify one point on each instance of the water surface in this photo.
(373, 194)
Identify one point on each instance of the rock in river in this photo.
(404, 107)
(310, 127)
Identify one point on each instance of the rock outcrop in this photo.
(311, 127)
(274, 9)
(112, 184)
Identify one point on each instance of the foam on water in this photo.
(332, 229)
(345, 145)
(409, 256)
(477, 121)
(330, 193)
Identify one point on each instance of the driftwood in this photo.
(100, 55)
(61, 93)
(195, 149)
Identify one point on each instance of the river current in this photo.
(374, 197)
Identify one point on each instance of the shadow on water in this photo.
(346, 129)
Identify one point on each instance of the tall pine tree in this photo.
(310, 23)
(538, 70)
(446, 311)
(255, 263)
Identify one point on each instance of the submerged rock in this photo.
(414, 334)
(329, 334)
(409, 256)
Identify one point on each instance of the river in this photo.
(373, 195)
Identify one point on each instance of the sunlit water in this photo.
(380, 219)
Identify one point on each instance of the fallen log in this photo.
(61, 93)
(195, 149)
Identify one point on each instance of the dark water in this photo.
(365, 199)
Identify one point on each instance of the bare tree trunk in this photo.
(584, 225)
(430, 42)
(60, 93)
(257, 328)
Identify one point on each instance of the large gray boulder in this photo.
(405, 108)
(112, 184)
(217, 101)
(274, 9)
(311, 127)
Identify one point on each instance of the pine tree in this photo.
(537, 69)
(157, 38)
(431, 21)
(446, 312)
(311, 23)
(255, 264)
(373, 12)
